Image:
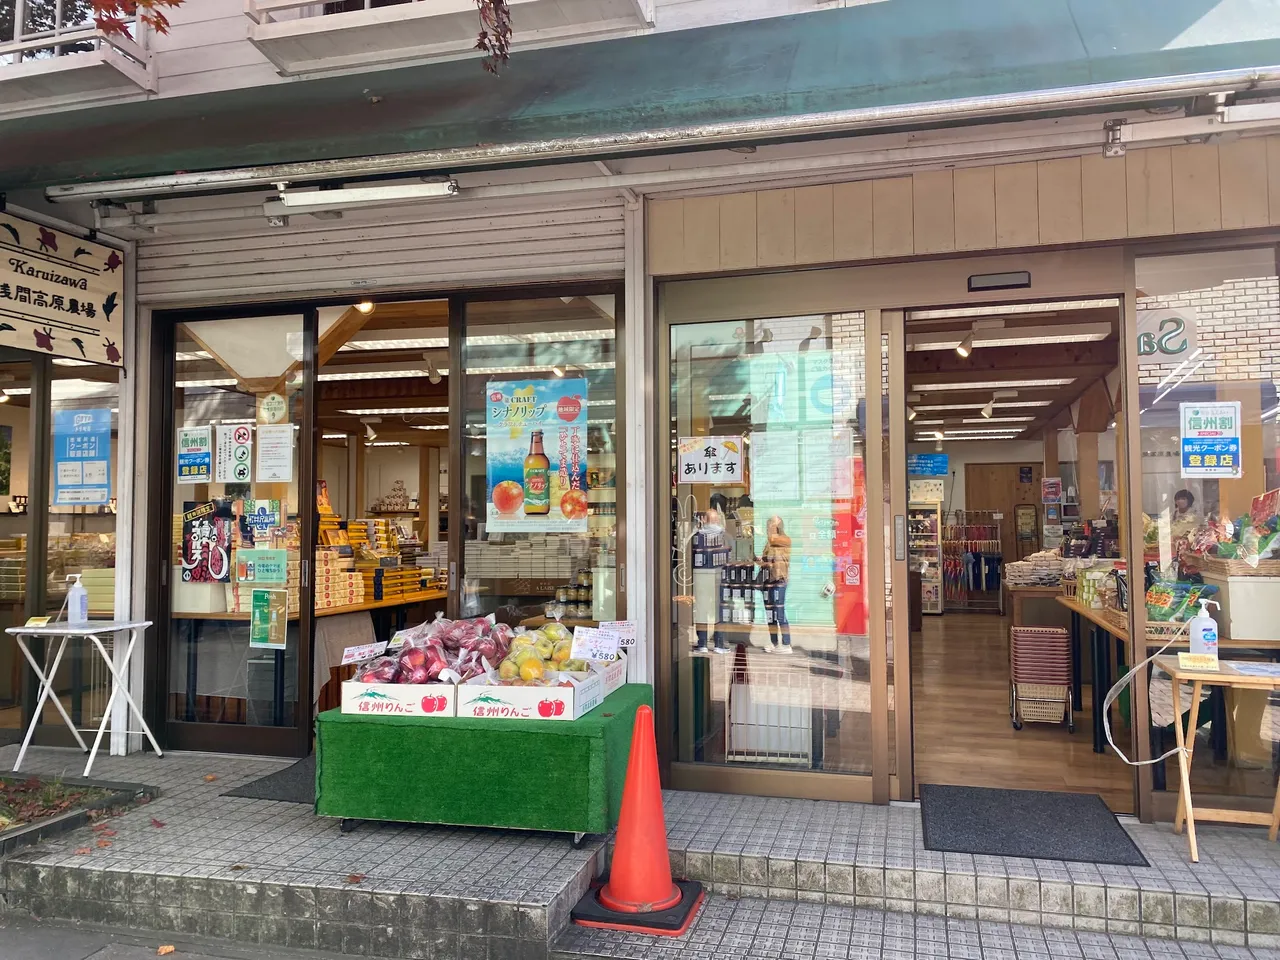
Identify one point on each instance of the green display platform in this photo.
(528, 774)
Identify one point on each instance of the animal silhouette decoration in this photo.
(9, 229)
(48, 241)
(109, 305)
(44, 338)
(113, 354)
(113, 262)
(79, 343)
(8, 326)
(82, 252)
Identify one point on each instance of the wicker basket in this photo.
(1116, 618)
(1218, 567)
(1069, 589)
(1042, 702)
(1162, 633)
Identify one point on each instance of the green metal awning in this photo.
(892, 52)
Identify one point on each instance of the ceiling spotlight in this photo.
(989, 410)
(4, 398)
(365, 306)
(938, 435)
(911, 413)
(558, 370)
(433, 372)
(965, 346)
(370, 434)
(938, 446)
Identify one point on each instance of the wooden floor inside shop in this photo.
(960, 691)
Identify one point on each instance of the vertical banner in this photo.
(850, 550)
(81, 457)
(206, 541)
(1209, 435)
(536, 461)
(233, 456)
(195, 454)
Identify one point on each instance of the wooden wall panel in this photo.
(664, 223)
(1058, 200)
(702, 233)
(1197, 196)
(1088, 489)
(892, 226)
(737, 231)
(975, 206)
(776, 228)
(852, 226)
(933, 212)
(815, 231)
(1149, 192)
(1273, 179)
(1017, 210)
(1102, 197)
(1242, 168)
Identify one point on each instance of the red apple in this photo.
(559, 708)
(508, 496)
(428, 704)
(546, 709)
(441, 703)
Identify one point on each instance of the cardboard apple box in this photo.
(399, 699)
(483, 699)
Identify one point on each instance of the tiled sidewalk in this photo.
(777, 930)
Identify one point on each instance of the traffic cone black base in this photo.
(672, 922)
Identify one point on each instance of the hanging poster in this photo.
(1050, 489)
(269, 619)
(926, 490)
(234, 454)
(827, 465)
(262, 566)
(82, 457)
(775, 465)
(710, 460)
(927, 464)
(59, 293)
(536, 460)
(275, 453)
(258, 518)
(195, 454)
(1209, 435)
(206, 541)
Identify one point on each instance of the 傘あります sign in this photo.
(1209, 439)
(710, 460)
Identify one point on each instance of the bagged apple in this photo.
(379, 670)
(413, 665)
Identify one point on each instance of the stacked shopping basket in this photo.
(1040, 676)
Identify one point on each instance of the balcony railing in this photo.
(46, 63)
(301, 36)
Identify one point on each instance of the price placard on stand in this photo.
(624, 629)
(594, 644)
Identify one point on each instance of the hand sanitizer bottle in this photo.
(77, 601)
(1203, 629)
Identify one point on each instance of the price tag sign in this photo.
(594, 644)
(625, 630)
(365, 651)
(1208, 662)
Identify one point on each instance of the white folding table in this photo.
(59, 635)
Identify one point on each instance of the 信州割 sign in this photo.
(1209, 439)
(59, 293)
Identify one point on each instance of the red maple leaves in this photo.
(112, 16)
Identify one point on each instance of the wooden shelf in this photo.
(423, 596)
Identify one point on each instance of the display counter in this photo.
(563, 776)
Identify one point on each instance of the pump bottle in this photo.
(1203, 629)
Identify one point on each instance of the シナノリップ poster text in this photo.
(537, 455)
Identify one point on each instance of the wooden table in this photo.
(1225, 676)
(1020, 593)
(1101, 632)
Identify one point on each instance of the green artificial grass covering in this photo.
(530, 774)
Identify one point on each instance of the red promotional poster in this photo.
(206, 541)
(850, 549)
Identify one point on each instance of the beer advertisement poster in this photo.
(537, 456)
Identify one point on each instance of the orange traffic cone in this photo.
(639, 894)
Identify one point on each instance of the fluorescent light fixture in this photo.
(1006, 436)
(430, 426)
(538, 368)
(334, 436)
(365, 196)
(70, 362)
(365, 306)
(394, 343)
(930, 423)
(393, 411)
(986, 419)
(226, 382)
(965, 346)
(997, 310)
(991, 384)
(1003, 336)
(978, 406)
(389, 443)
(17, 391)
(378, 374)
(911, 413)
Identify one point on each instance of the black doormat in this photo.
(294, 784)
(1036, 824)
(8, 736)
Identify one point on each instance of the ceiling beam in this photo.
(1016, 362)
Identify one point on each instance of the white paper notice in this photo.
(591, 643)
(365, 651)
(625, 630)
(275, 453)
(233, 455)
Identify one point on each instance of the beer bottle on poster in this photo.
(537, 478)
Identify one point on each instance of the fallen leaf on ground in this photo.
(355, 877)
(103, 844)
(157, 823)
(165, 950)
(210, 777)
(106, 833)
(237, 866)
(83, 851)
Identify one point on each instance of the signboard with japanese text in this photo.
(60, 294)
(1209, 439)
(258, 518)
(262, 566)
(927, 464)
(775, 464)
(710, 460)
(82, 457)
(595, 645)
(234, 454)
(195, 454)
(275, 453)
(206, 541)
(536, 457)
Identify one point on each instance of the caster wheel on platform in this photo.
(580, 840)
(1017, 724)
(348, 825)
(1071, 727)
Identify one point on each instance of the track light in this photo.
(558, 370)
(989, 410)
(938, 446)
(965, 346)
(911, 413)
(370, 434)
(363, 196)
(5, 398)
(433, 372)
(365, 307)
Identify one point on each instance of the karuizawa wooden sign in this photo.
(60, 293)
